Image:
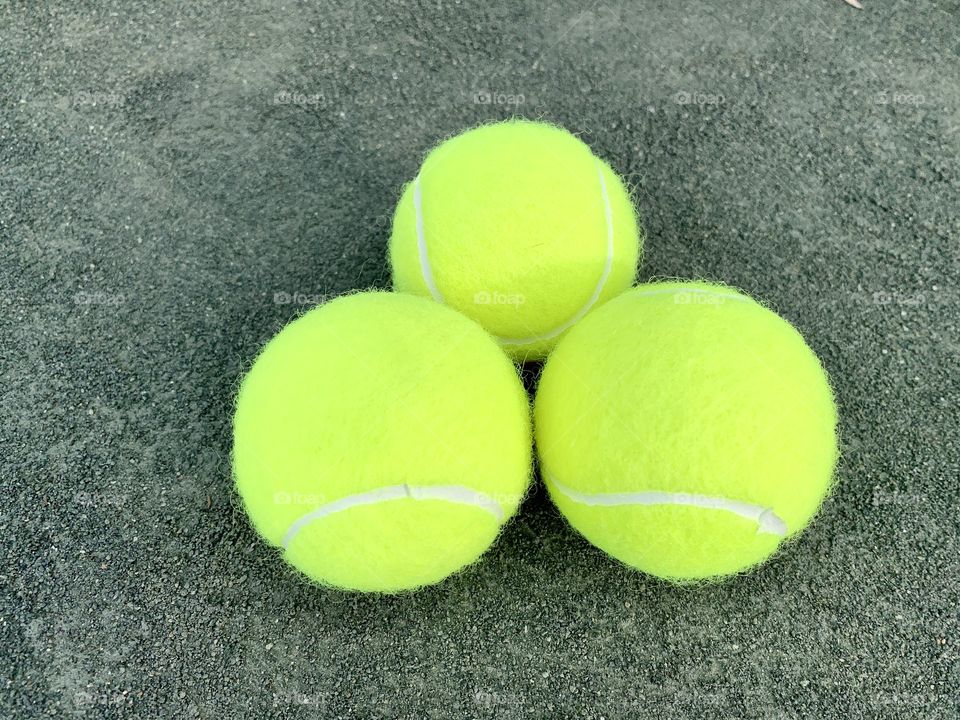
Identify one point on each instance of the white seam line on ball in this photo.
(448, 493)
(427, 272)
(766, 519)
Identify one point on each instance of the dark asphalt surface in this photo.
(179, 179)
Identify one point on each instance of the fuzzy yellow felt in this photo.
(686, 430)
(381, 441)
(519, 226)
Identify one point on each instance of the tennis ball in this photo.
(519, 226)
(686, 430)
(381, 441)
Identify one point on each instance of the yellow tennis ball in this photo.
(686, 430)
(519, 226)
(381, 441)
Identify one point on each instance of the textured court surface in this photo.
(178, 179)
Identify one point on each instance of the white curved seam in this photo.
(694, 291)
(449, 493)
(766, 519)
(425, 270)
(607, 267)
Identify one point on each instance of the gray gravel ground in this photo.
(179, 179)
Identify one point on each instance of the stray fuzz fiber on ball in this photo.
(686, 430)
(381, 441)
(519, 226)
